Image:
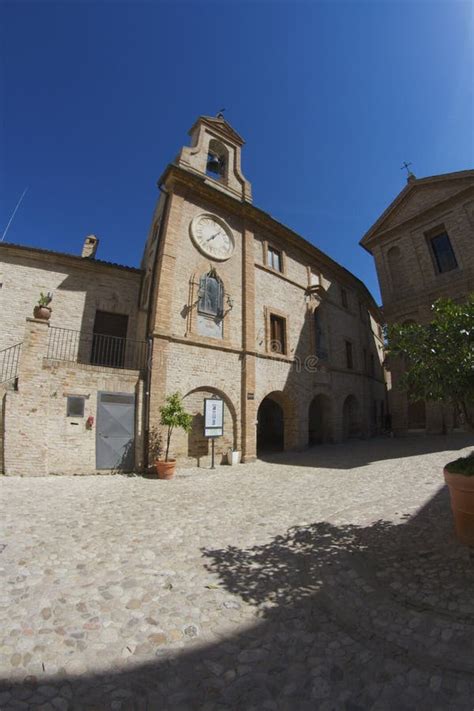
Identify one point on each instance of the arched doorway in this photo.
(270, 426)
(351, 417)
(320, 420)
(194, 446)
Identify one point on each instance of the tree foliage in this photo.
(438, 356)
(173, 415)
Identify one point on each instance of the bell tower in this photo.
(215, 153)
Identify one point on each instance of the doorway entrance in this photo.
(115, 443)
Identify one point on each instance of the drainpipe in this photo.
(148, 325)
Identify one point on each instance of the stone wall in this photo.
(240, 366)
(79, 289)
(39, 438)
(409, 279)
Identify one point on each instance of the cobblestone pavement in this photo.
(328, 579)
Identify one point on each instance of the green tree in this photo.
(173, 415)
(439, 356)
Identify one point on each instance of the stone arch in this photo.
(320, 420)
(217, 160)
(276, 423)
(351, 418)
(194, 446)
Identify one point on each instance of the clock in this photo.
(212, 236)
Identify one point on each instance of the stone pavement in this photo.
(328, 579)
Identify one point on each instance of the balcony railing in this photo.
(9, 359)
(96, 349)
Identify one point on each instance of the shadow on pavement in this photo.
(357, 452)
(351, 617)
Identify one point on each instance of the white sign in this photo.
(213, 417)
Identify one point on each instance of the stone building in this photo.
(423, 247)
(227, 303)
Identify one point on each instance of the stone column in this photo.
(26, 411)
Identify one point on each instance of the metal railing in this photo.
(96, 349)
(9, 359)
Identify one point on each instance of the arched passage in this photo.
(270, 426)
(351, 417)
(320, 420)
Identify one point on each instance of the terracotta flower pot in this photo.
(42, 312)
(461, 490)
(165, 470)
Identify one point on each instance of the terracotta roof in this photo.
(75, 257)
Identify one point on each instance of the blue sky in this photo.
(331, 98)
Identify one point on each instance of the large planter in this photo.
(42, 312)
(165, 470)
(461, 491)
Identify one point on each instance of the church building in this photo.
(228, 303)
(423, 246)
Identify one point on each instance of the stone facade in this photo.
(238, 363)
(413, 274)
(37, 436)
(294, 350)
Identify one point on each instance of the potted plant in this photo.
(172, 416)
(459, 476)
(42, 310)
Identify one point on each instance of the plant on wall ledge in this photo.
(42, 310)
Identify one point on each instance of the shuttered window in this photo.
(277, 334)
(211, 296)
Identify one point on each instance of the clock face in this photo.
(212, 236)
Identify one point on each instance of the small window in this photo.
(75, 406)
(277, 334)
(443, 253)
(344, 299)
(211, 295)
(349, 356)
(274, 260)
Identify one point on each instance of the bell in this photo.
(213, 163)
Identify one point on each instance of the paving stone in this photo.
(327, 578)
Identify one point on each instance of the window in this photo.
(349, 356)
(75, 406)
(277, 334)
(344, 299)
(321, 348)
(211, 295)
(274, 260)
(443, 253)
(109, 339)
